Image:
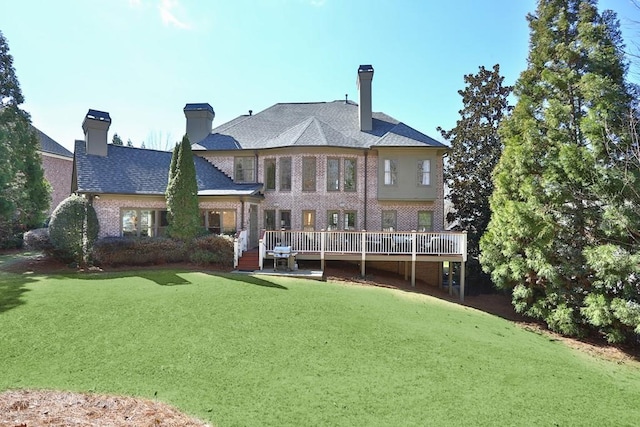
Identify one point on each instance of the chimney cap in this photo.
(198, 107)
(365, 69)
(98, 115)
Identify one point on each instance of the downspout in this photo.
(255, 168)
(242, 214)
(364, 211)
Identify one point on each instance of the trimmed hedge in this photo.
(132, 251)
(66, 229)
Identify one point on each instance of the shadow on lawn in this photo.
(252, 280)
(165, 277)
(11, 292)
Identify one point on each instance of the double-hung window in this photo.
(390, 172)
(285, 173)
(333, 174)
(269, 174)
(349, 175)
(424, 172)
(308, 174)
(389, 220)
(244, 169)
(425, 221)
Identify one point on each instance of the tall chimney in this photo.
(199, 120)
(95, 126)
(365, 75)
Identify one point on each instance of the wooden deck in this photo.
(362, 246)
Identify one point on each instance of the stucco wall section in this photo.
(58, 172)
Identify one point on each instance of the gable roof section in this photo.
(129, 170)
(48, 145)
(333, 124)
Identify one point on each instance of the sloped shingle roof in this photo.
(333, 124)
(129, 170)
(48, 145)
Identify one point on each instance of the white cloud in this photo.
(169, 9)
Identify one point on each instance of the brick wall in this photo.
(322, 200)
(58, 171)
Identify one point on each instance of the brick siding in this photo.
(57, 171)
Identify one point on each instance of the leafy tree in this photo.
(116, 140)
(74, 228)
(182, 194)
(551, 183)
(24, 192)
(475, 150)
(129, 143)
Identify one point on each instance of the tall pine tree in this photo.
(475, 150)
(182, 194)
(24, 192)
(547, 206)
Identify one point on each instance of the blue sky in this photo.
(142, 60)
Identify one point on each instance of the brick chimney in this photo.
(365, 75)
(95, 126)
(199, 120)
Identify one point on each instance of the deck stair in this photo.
(249, 261)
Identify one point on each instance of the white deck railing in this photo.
(240, 244)
(368, 242)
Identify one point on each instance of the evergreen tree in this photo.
(182, 194)
(116, 140)
(475, 150)
(547, 207)
(24, 192)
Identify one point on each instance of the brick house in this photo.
(57, 163)
(331, 166)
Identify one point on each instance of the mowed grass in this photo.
(241, 350)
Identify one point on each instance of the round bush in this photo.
(67, 227)
(38, 240)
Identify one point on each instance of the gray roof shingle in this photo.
(332, 124)
(129, 170)
(48, 145)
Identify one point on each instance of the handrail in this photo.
(370, 242)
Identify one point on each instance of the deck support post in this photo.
(462, 281)
(323, 236)
(413, 258)
(364, 253)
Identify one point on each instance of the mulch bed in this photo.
(32, 408)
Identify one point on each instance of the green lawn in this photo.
(239, 350)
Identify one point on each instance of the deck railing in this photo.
(368, 242)
(240, 244)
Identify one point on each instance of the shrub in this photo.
(116, 251)
(38, 240)
(10, 234)
(212, 249)
(67, 228)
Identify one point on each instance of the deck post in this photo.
(462, 281)
(414, 246)
(323, 236)
(364, 253)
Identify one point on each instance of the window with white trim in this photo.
(390, 172)
(424, 172)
